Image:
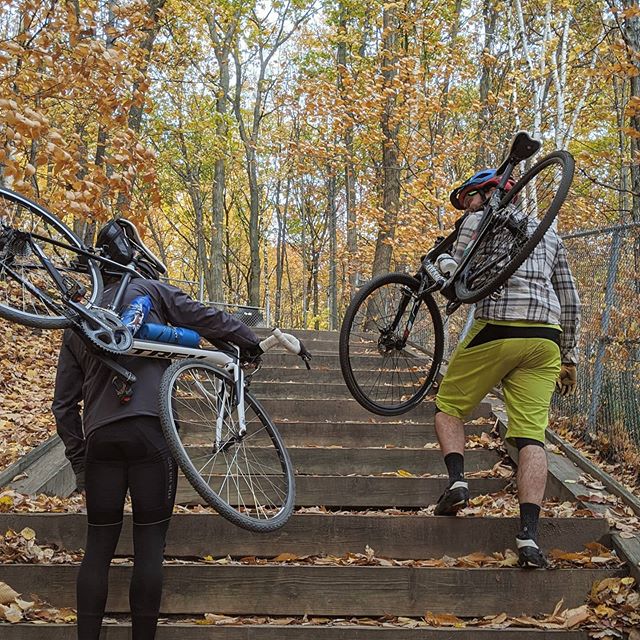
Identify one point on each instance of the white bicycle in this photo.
(219, 434)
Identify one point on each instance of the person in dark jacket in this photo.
(114, 448)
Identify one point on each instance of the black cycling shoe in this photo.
(529, 554)
(454, 498)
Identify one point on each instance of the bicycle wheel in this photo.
(28, 293)
(389, 372)
(248, 478)
(523, 217)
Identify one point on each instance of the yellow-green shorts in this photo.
(524, 356)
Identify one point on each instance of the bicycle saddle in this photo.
(523, 146)
(133, 235)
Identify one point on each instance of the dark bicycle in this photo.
(220, 435)
(392, 338)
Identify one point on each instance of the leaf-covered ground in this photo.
(624, 467)
(28, 359)
(612, 609)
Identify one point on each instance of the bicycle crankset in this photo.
(106, 331)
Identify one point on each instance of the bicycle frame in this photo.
(71, 308)
(149, 349)
(522, 147)
(75, 311)
(431, 279)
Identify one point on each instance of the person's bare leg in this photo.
(532, 480)
(450, 432)
(532, 474)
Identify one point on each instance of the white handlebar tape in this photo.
(268, 343)
(289, 342)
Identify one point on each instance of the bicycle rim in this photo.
(523, 217)
(387, 374)
(247, 478)
(28, 293)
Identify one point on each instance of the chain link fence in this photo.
(606, 406)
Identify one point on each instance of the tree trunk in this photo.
(196, 201)
(136, 111)
(315, 267)
(254, 228)
(390, 129)
(250, 141)
(153, 14)
(222, 49)
(333, 252)
(490, 14)
(281, 247)
(349, 172)
(631, 28)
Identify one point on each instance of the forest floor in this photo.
(28, 359)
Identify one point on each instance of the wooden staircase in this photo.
(363, 487)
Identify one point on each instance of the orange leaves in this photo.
(68, 94)
(595, 555)
(14, 609)
(27, 371)
(443, 620)
(22, 548)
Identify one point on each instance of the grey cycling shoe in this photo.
(454, 498)
(529, 554)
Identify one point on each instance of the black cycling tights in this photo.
(130, 454)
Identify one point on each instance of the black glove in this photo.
(251, 357)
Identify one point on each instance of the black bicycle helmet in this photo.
(120, 241)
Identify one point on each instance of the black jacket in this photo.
(80, 377)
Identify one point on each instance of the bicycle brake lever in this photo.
(305, 355)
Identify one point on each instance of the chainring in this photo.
(114, 337)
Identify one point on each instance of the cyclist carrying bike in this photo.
(115, 447)
(524, 337)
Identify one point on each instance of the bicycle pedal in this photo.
(124, 391)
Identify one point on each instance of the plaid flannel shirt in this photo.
(541, 290)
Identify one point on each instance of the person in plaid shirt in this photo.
(524, 337)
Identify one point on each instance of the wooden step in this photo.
(316, 375)
(328, 590)
(399, 536)
(337, 461)
(364, 434)
(322, 359)
(346, 410)
(336, 631)
(310, 389)
(354, 492)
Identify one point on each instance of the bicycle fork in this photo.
(226, 399)
(402, 307)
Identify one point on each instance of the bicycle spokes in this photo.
(36, 252)
(232, 452)
(391, 344)
(510, 232)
